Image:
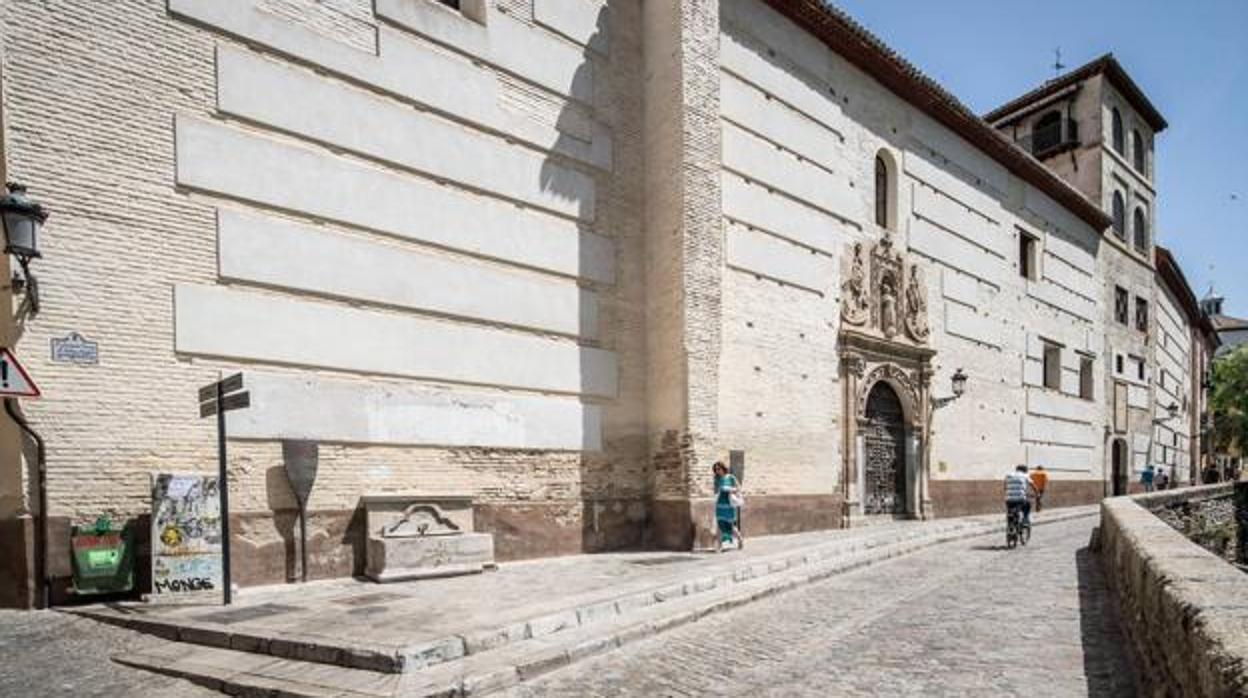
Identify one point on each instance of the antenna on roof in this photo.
(1058, 65)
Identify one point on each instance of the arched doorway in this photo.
(885, 441)
(1118, 486)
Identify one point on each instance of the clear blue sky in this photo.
(1190, 58)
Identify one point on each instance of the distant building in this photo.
(1232, 331)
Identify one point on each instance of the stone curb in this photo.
(521, 659)
(389, 658)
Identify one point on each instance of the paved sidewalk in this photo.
(405, 626)
(964, 619)
(472, 635)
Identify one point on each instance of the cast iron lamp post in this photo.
(22, 219)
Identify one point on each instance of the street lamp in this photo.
(22, 220)
(1172, 411)
(958, 382)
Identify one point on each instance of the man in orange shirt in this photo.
(1039, 479)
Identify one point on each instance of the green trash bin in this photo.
(103, 559)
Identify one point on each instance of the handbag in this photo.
(736, 500)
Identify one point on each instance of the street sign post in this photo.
(15, 382)
(218, 398)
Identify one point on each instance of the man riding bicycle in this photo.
(1018, 487)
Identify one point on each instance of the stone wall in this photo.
(1182, 608)
(1209, 523)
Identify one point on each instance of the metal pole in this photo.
(41, 479)
(303, 541)
(224, 487)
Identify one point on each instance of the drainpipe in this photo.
(41, 479)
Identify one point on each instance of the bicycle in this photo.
(1017, 531)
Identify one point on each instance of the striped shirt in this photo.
(1016, 487)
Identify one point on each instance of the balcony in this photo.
(1051, 136)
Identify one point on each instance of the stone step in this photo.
(502, 666)
(482, 673)
(567, 615)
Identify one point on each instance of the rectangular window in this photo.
(1118, 368)
(1139, 368)
(453, 4)
(1085, 378)
(470, 9)
(1141, 314)
(1028, 261)
(1121, 304)
(1052, 366)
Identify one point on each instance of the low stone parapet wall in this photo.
(1184, 610)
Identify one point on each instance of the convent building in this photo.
(559, 257)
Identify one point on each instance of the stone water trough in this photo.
(417, 537)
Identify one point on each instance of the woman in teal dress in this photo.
(726, 513)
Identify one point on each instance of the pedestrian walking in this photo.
(1162, 479)
(1039, 480)
(1146, 477)
(727, 507)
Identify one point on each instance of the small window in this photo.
(881, 192)
(471, 9)
(1118, 366)
(1119, 138)
(1028, 256)
(453, 4)
(1139, 227)
(1085, 378)
(1052, 366)
(1121, 305)
(1141, 314)
(1137, 151)
(1139, 368)
(1120, 216)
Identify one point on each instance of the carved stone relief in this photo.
(884, 293)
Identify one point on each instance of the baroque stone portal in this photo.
(886, 374)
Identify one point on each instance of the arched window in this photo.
(1139, 227)
(1119, 138)
(881, 192)
(1137, 151)
(1047, 133)
(1120, 216)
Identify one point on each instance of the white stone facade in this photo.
(556, 255)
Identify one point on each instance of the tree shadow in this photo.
(1108, 665)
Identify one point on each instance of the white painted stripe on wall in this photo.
(817, 104)
(254, 168)
(296, 100)
(970, 159)
(1069, 277)
(956, 252)
(1073, 254)
(1062, 299)
(753, 204)
(585, 21)
(503, 42)
(755, 158)
(1137, 396)
(954, 216)
(967, 323)
(746, 105)
(276, 252)
(769, 256)
(222, 322)
(1046, 403)
(1062, 458)
(959, 287)
(401, 67)
(943, 180)
(791, 43)
(332, 410)
(1056, 432)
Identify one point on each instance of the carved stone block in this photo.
(414, 537)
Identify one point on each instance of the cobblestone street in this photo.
(963, 619)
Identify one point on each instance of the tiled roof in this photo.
(866, 51)
(1112, 69)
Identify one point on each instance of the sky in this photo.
(1190, 58)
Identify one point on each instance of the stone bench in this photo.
(416, 536)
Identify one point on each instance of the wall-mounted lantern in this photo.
(22, 218)
(1172, 411)
(958, 383)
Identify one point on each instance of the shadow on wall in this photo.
(1107, 662)
(612, 511)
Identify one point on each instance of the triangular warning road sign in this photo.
(14, 380)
